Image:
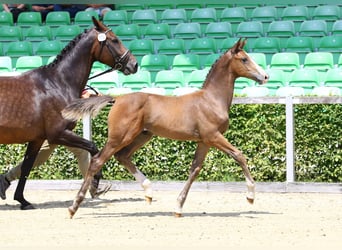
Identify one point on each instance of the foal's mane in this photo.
(66, 49)
(212, 68)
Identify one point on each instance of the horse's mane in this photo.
(212, 67)
(66, 49)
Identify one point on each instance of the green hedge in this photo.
(258, 130)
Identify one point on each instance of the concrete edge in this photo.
(266, 187)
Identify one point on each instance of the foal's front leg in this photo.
(222, 144)
(195, 169)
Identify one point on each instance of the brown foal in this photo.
(201, 116)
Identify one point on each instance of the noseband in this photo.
(119, 61)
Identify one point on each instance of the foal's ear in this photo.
(98, 25)
(238, 46)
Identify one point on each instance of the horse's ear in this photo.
(96, 22)
(238, 46)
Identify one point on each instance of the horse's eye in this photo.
(244, 60)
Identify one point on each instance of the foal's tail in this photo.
(86, 106)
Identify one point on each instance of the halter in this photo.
(119, 61)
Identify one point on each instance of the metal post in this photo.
(87, 127)
(290, 172)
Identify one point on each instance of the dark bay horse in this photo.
(201, 116)
(31, 103)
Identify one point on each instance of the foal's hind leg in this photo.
(124, 157)
(222, 144)
(195, 169)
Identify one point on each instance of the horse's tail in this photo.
(86, 106)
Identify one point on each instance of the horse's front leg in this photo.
(195, 169)
(222, 144)
(30, 156)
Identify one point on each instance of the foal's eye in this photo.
(115, 40)
(244, 60)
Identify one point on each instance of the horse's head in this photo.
(109, 50)
(244, 66)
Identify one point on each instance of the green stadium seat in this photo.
(189, 8)
(46, 49)
(250, 30)
(169, 80)
(333, 78)
(144, 17)
(171, 47)
(157, 32)
(137, 81)
(154, 63)
(66, 33)
(234, 16)
(128, 33)
(6, 18)
(281, 29)
(210, 60)
(115, 18)
(129, 8)
(28, 19)
(287, 61)
(105, 82)
(321, 61)
(54, 19)
(9, 34)
(202, 47)
(98, 67)
(300, 45)
(187, 32)
(186, 63)
(203, 16)
(314, 29)
(159, 8)
(332, 44)
(36, 34)
(219, 7)
(337, 28)
(184, 91)
(229, 43)
(173, 17)
(241, 83)
(339, 62)
(141, 47)
(328, 13)
(268, 46)
(17, 49)
(219, 31)
(264, 14)
(297, 14)
(5, 64)
(84, 19)
(197, 78)
(25, 63)
(305, 78)
(259, 58)
(277, 79)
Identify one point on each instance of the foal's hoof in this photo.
(178, 215)
(27, 207)
(148, 199)
(72, 212)
(250, 200)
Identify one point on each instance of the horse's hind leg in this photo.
(222, 144)
(124, 157)
(30, 156)
(195, 169)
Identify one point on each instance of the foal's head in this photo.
(243, 66)
(110, 50)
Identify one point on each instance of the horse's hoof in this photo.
(148, 200)
(71, 212)
(250, 200)
(27, 207)
(178, 215)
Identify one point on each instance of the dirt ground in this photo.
(212, 220)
